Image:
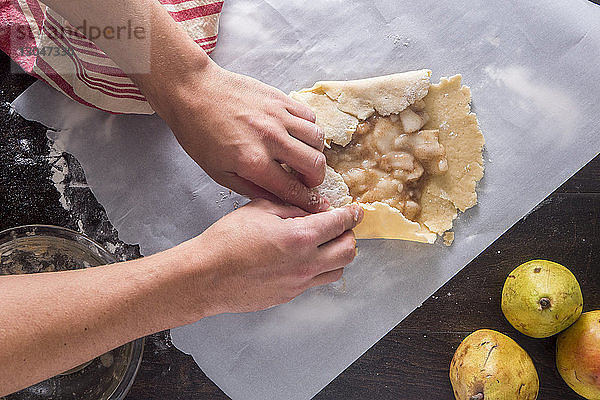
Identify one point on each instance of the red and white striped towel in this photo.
(32, 34)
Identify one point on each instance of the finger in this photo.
(330, 224)
(309, 162)
(327, 277)
(246, 188)
(300, 110)
(270, 203)
(286, 186)
(280, 209)
(337, 253)
(305, 131)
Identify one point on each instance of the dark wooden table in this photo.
(411, 361)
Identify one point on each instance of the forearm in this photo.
(51, 322)
(158, 58)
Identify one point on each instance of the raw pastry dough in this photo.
(341, 106)
(448, 106)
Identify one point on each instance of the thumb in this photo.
(330, 224)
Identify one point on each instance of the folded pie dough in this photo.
(341, 105)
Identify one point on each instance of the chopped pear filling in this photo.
(389, 159)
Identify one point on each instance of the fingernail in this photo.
(320, 135)
(357, 212)
(324, 204)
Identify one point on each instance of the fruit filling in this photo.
(389, 159)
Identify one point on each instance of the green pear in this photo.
(491, 366)
(578, 355)
(541, 298)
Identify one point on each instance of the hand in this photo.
(265, 254)
(236, 128)
(240, 131)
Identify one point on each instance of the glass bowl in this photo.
(43, 248)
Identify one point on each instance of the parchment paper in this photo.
(533, 71)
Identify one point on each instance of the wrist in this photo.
(177, 282)
(168, 88)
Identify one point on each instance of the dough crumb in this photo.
(448, 238)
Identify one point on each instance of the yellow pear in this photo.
(541, 298)
(578, 355)
(491, 366)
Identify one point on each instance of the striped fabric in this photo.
(45, 45)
